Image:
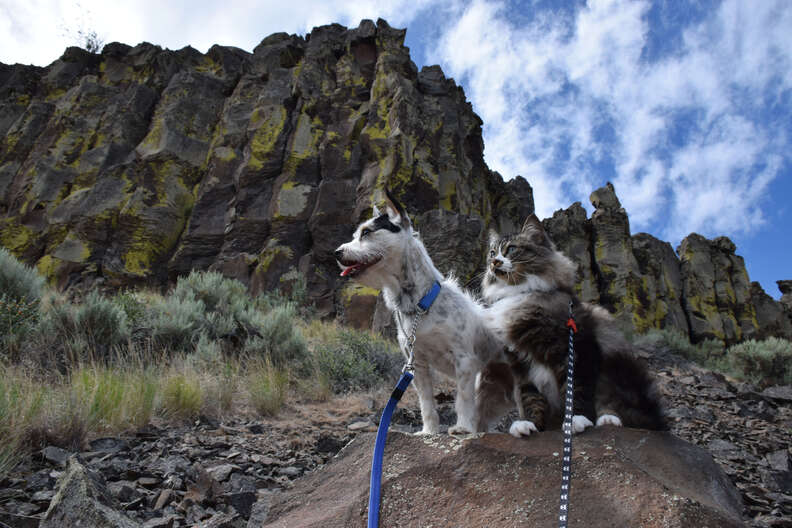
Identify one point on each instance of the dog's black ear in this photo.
(395, 210)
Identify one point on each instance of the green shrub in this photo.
(294, 291)
(279, 339)
(17, 280)
(174, 323)
(762, 363)
(133, 307)
(706, 353)
(229, 309)
(354, 360)
(18, 317)
(89, 331)
(21, 288)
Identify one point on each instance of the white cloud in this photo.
(550, 86)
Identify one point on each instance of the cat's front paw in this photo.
(580, 423)
(609, 419)
(522, 428)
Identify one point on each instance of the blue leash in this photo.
(379, 449)
(382, 431)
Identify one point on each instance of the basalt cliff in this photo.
(138, 164)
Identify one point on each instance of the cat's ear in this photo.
(532, 223)
(533, 229)
(395, 211)
(493, 237)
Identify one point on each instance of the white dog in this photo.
(387, 255)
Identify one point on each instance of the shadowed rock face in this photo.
(139, 164)
(621, 477)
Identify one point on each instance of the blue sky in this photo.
(686, 106)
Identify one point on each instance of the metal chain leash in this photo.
(566, 463)
(408, 367)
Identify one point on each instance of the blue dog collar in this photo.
(426, 302)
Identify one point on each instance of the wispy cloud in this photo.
(572, 99)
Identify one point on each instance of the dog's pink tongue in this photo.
(350, 269)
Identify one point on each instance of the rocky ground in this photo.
(215, 474)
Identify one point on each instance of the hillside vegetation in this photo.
(110, 364)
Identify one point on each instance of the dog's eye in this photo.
(365, 231)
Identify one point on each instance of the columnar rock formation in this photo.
(139, 164)
(704, 292)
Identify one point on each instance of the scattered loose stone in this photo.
(55, 455)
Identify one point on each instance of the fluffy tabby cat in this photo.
(528, 285)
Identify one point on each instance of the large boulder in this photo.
(83, 501)
(621, 477)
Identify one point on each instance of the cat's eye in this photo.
(511, 250)
(492, 253)
(365, 231)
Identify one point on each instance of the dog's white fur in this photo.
(451, 338)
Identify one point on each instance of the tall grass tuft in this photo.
(267, 386)
(21, 405)
(182, 396)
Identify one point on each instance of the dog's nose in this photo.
(339, 254)
(497, 263)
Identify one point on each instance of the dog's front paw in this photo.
(427, 431)
(459, 430)
(609, 419)
(522, 428)
(579, 423)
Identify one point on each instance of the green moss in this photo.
(305, 144)
(55, 94)
(447, 195)
(48, 268)
(148, 242)
(268, 130)
(23, 99)
(270, 253)
(353, 289)
(153, 138)
(16, 237)
(208, 65)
